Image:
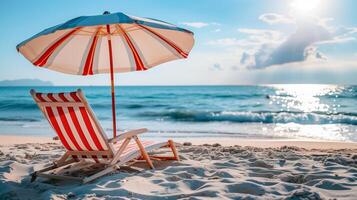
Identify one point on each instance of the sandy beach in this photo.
(210, 169)
(191, 100)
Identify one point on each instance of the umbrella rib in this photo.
(88, 67)
(42, 60)
(139, 64)
(170, 43)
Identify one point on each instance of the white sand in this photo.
(206, 172)
(261, 143)
(13, 139)
(269, 143)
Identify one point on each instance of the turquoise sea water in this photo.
(270, 111)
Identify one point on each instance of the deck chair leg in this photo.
(174, 150)
(144, 154)
(171, 145)
(120, 151)
(62, 159)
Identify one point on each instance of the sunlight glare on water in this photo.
(312, 99)
(304, 98)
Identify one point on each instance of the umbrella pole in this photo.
(112, 82)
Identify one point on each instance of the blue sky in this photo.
(237, 42)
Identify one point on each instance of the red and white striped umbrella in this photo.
(108, 43)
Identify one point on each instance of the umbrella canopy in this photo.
(107, 43)
(80, 46)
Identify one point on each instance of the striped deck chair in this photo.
(84, 139)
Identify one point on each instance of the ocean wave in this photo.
(256, 117)
(13, 105)
(234, 96)
(18, 119)
(341, 96)
(128, 106)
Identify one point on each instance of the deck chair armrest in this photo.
(128, 134)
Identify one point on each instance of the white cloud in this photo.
(216, 66)
(262, 35)
(195, 24)
(235, 67)
(201, 24)
(215, 24)
(273, 18)
(341, 35)
(216, 30)
(247, 59)
(253, 38)
(325, 22)
(224, 42)
(264, 48)
(337, 40)
(314, 71)
(311, 53)
(300, 46)
(234, 42)
(296, 48)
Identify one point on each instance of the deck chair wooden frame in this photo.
(84, 139)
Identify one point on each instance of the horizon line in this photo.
(193, 85)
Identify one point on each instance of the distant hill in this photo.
(25, 82)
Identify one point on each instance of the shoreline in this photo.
(275, 143)
(260, 143)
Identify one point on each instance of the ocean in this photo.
(312, 112)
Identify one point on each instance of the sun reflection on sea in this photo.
(304, 98)
(319, 100)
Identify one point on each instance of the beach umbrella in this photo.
(108, 43)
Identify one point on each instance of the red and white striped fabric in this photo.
(68, 115)
(73, 124)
